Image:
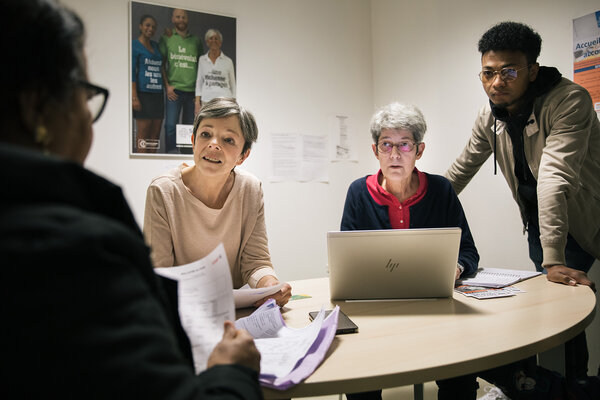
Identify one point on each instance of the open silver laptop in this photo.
(393, 263)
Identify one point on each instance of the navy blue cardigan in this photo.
(439, 208)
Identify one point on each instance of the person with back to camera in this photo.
(85, 316)
(147, 100)
(214, 201)
(216, 75)
(545, 136)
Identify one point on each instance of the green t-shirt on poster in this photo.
(181, 55)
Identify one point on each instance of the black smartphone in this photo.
(345, 324)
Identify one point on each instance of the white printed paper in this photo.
(288, 356)
(246, 296)
(205, 301)
(298, 157)
(497, 277)
(183, 135)
(342, 146)
(285, 156)
(280, 347)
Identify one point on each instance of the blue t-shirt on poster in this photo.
(146, 67)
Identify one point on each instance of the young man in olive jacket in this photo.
(545, 137)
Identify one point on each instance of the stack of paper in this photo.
(288, 356)
(497, 277)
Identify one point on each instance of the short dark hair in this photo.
(145, 17)
(52, 38)
(223, 107)
(513, 36)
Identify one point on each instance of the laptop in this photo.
(392, 263)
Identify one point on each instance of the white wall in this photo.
(299, 62)
(425, 53)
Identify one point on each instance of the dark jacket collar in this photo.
(31, 178)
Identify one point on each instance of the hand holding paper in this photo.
(247, 297)
(281, 297)
(288, 355)
(205, 301)
(236, 347)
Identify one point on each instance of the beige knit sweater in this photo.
(180, 229)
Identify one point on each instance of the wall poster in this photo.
(586, 55)
(178, 59)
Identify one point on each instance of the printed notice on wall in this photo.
(342, 147)
(297, 157)
(586, 55)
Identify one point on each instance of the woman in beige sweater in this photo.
(191, 209)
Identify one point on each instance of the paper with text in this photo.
(205, 301)
(288, 355)
(299, 157)
(497, 277)
(480, 292)
(246, 296)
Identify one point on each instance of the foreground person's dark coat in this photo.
(84, 315)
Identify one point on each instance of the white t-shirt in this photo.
(215, 80)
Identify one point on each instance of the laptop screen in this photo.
(393, 263)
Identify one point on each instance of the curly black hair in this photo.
(513, 36)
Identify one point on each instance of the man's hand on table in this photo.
(569, 276)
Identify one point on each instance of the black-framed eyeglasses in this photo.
(506, 74)
(96, 98)
(404, 147)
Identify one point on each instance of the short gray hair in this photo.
(399, 116)
(212, 32)
(223, 107)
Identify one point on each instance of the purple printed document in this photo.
(288, 356)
